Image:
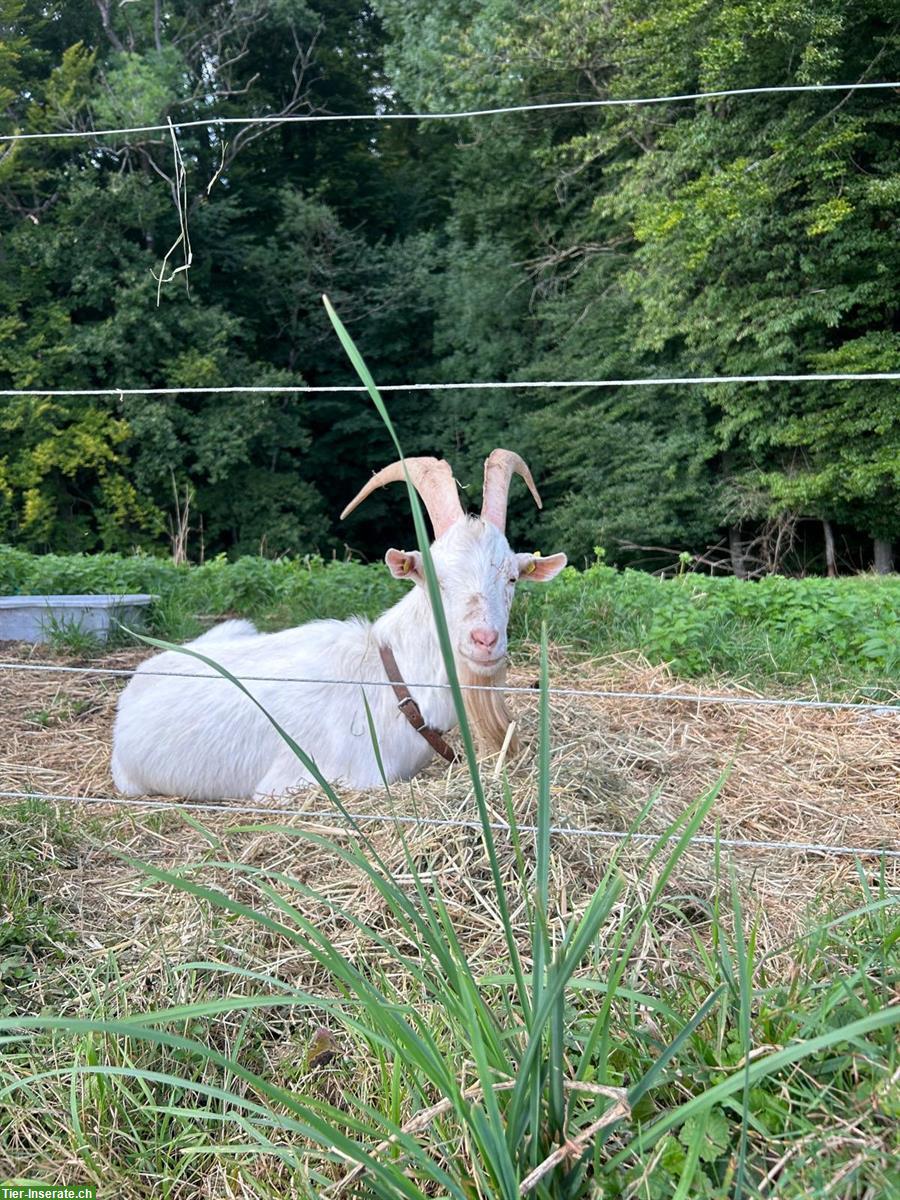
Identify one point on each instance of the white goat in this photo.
(204, 739)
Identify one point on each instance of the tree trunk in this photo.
(830, 559)
(736, 549)
(884, 557)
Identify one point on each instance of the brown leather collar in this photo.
(410, 709)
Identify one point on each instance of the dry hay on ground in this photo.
(800, 775)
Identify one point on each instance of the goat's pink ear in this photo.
(405, 564)
(539, 569)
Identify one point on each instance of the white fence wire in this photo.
(332, 816)
(550, 106)
(870, 708)
(485, 386)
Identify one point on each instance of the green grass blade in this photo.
(759, 1069)
(324, 1132)
(434, 594)
(651, 1077)
(568, 960)
(376, 748)
(744, 1024)
(692, 1161)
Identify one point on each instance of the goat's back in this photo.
(203, 738)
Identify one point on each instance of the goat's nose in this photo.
(485, 637)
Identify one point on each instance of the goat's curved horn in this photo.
(499, 467)
(433, 480)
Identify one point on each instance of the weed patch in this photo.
(34, 933)
(836, 635)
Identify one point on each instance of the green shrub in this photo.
(777, 628)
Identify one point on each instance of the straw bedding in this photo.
(793, 775)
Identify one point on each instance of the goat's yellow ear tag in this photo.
(531, 568)
(406, 566)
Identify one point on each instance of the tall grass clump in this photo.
(468, 1086)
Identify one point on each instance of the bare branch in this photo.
(573, 254)
(298, 98)
(180, 524)
(103, 9)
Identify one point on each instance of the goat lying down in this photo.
(204, 739)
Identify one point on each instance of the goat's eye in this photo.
(513, 579)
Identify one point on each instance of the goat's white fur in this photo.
(204, 739)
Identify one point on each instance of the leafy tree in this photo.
(745, 235)
(63, 478)
(97, 229)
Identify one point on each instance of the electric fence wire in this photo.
(559, 105)
(331, 816)
(871, 708)
(482, 386)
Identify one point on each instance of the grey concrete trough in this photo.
(35, 618)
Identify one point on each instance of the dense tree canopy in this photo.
(737, 235)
